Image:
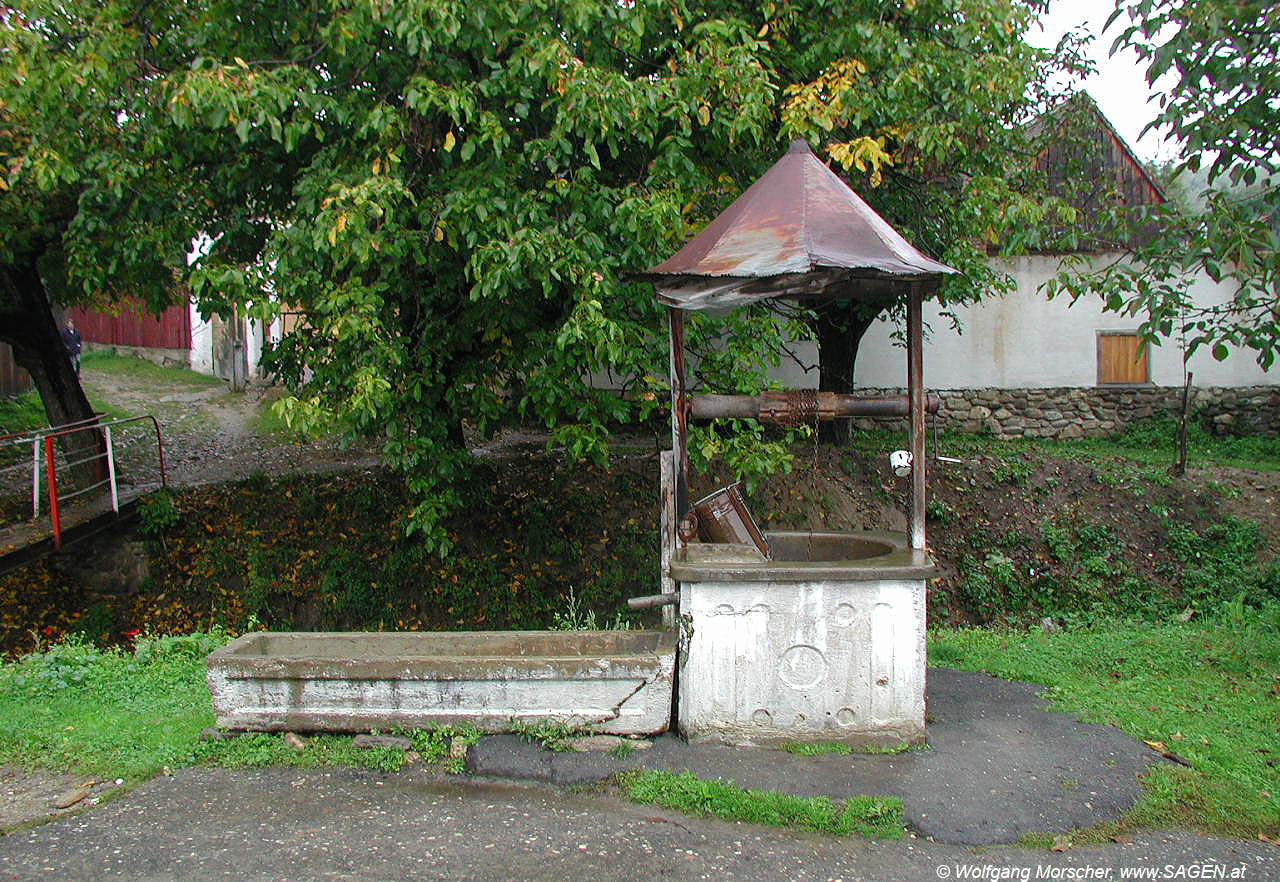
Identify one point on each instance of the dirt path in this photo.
(211, 434)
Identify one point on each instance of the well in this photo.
(814, 636)
(824, 642)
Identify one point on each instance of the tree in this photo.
(75, 169)
(1222, 62)
(925, 104)
(450, 195)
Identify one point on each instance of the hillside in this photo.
(1020, 531)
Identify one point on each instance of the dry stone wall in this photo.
(1095, 412)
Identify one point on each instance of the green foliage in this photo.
(106, 712)
(1204, 688)
(452, 197)
(158, 512)
(550, 736)
(1218, 561)
(575, 618)
(876, 817)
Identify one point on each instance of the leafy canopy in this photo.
(446, 197)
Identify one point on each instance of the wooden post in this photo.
(667, 530)
(679, 414)
(915, 391)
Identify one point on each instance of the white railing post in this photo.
(111, 471)
(35, 477)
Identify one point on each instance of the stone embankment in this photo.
(1097, 412)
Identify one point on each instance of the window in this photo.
(1122, 359)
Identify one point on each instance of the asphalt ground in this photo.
(1000, 766)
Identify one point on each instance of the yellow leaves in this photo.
(704, 115)
(764, 31)
(342, 222)
(377, 165)
(863, 153)
(241, 63)
(4, 185)
(449, 141)
(438, 233)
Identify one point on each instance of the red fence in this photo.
(13, 379)
(134, 326)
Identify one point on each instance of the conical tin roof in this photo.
(799, 230)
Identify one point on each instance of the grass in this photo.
(22, 413)
(872, 816)
(25, 413)
(1208, 690)
(823, 748)
(111, 713)
(1150, 442)
(142, 369)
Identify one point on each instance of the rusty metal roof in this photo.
(797, 231)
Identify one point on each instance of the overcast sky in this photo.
(1119, 86)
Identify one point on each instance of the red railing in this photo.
(64, 476)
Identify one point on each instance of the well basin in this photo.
(825, 642)
(611, 681)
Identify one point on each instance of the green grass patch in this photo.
(25, 413)
(22, 413)
(140, 368)
(110, 713)
(824, 748)
(106, 712)
(821, 748)
(1152, 442)
(1208, 690)
(551, 736)
(871, 816)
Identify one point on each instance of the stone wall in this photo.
(1095, 412)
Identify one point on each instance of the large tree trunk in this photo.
(839, 327)
(28, 325)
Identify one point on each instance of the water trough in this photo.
(618, 682)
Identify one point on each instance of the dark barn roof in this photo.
(797, 231)
(1090, 166)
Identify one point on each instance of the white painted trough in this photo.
(610, 681)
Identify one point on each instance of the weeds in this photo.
(876, 817)
(158, 512)
(550, 736)
(575, 618)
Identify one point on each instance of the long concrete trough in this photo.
(618, 682)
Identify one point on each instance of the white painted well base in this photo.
(769, 662)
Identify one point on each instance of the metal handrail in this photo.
(44, 437)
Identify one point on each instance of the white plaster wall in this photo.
(201, 342)
(1025, 340)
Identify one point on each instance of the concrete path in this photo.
(1000, 766)
(281, 824)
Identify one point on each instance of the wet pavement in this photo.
(1000, 766)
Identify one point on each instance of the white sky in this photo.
(1119, 86)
